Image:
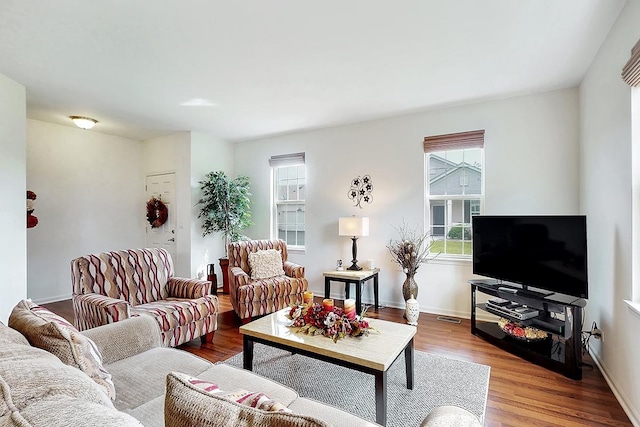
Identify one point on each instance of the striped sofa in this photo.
(113, 286)
(251, 298)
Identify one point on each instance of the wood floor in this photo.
(520, 393)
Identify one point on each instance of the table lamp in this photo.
(353, 227)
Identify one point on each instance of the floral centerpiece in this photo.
(409, 252)
(313, 319)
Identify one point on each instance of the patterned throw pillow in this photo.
(243, 397)
(187, 405)
(265, 264)
(50, 332)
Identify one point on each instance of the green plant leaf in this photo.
(225, 205)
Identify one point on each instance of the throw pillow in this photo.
(9, 334)
(50, 332)
(265, 264)
(243, 397)
(186, 404)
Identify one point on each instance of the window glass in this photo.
(289, 197)
(454, 196)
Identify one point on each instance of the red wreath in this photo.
(32, 220)
(157, 212)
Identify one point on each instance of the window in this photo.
(631, 75)
(454, 189)
(289, 195)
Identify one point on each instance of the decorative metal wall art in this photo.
(361, 189)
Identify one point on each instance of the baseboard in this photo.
(634, 417)
(52, 299)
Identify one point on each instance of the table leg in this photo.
(375, 290)
(327, 287)
(358, 296)
(408, 360)
(247, 353)
(347, 290)
(381, 398)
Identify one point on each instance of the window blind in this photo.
(454, 141)
(286, 160)
(631, 70)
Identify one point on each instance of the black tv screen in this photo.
(546, 252)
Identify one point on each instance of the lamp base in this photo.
(354, 266)
(354, 253)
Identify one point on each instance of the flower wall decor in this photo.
(313, 319)
(361, 189)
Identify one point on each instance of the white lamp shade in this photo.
(353, 226)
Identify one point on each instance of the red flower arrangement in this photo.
(314, 320)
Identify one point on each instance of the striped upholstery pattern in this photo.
(251, 298)
(99, 310)
(112, 286)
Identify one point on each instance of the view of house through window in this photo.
(454, 192)
(289, 196)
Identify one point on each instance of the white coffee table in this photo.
(373, 354)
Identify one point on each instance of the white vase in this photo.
(412, 311)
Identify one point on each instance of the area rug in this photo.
(438, 381)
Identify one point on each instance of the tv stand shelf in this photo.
(561, 352)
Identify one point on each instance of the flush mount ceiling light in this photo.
(83, 122)
(198, 102)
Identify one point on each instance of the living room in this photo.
(565, 150)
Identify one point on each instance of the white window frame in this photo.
(281, 161)
(449, 143)
(631, 76)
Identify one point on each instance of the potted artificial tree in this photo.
(226, 208)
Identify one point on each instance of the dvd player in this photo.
(517, 311)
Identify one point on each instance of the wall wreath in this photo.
(157, 212)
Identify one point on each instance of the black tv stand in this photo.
(515, 288)
(560, 352)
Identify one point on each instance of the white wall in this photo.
(13, 225)
(531, 168)
(208, 154)
(606, 198)
(90, 199)
(172, 154)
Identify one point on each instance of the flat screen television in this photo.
(545, 252)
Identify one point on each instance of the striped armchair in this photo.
(258, 297)
(113, 286)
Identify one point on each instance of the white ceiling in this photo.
(284, 65)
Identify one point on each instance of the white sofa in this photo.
(133, 353)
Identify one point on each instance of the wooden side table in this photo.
(357, 278)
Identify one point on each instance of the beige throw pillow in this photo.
(253, 399)
(265, 264)
(186, 404)
(50, 332)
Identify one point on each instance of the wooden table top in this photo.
(377, 351)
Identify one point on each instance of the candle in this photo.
(307, 298)
(350, 308)
(327, 304)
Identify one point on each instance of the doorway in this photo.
(163, 186)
